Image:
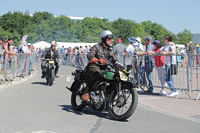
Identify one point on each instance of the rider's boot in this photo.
(86, 97)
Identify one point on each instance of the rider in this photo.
(101, 53)
(50, 53)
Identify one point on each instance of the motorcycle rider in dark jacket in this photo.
(50, 53)
(101, 53)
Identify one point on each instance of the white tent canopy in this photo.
(72, 45)
(42, 45)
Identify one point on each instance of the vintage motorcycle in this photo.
(114, 92)
(49, 74)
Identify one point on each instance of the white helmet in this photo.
(106, 33)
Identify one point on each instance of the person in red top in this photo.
(160, 64)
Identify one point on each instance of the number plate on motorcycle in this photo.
(51, 61)
(123, 76)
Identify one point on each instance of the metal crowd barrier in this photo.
(13, 66)
(160, 79)
(79, 60)
(194, 71)
(186, 80)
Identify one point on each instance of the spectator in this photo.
(149, 65)
(140, 49)
(2, 51)
(160, 64)
(130, 50)
(9, 47)
(139, 43)
(2, 47)
(23, 48)
(198, 49)
(10, 51)
(119, 50)
(190, 54)
(29, 46)
(169, 49)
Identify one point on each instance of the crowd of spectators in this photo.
(153, 54)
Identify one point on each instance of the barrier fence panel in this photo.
(21, 65)
(12, 66)
(195, 73)
(157, 70)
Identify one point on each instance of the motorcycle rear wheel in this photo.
(76, 99)
(117, 104)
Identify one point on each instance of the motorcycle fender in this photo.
(128, 84)
(73, 87)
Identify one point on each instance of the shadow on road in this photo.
(87, 111)
(39, 83)
(152, 94)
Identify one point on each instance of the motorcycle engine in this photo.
(97, 99)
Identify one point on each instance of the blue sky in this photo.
(174, 15)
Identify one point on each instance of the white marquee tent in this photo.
(72, 45)
(42, 45)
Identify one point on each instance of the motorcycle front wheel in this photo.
(122, 104)
(51, 77)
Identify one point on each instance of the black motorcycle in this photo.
(114, 92)
(49, 74)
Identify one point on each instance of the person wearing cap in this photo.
(147, 70)
(160, 64)
(131, 50)
(169, 49)
(119, 50)
(50, 53)
(23, 48)
(139, 42)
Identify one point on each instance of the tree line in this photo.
(44, 26)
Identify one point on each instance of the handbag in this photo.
(174, 69)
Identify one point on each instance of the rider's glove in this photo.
(102, 61)
(94, 60)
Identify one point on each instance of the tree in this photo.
(42, 16)
(126, 28)
(185, 36)
(156, 31)
(15, 22)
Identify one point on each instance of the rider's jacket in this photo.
(48, 54)
(99, 51)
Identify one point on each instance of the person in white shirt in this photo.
(130, 50)
(169, 49)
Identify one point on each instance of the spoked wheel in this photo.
(76, 98)
(123, 104)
